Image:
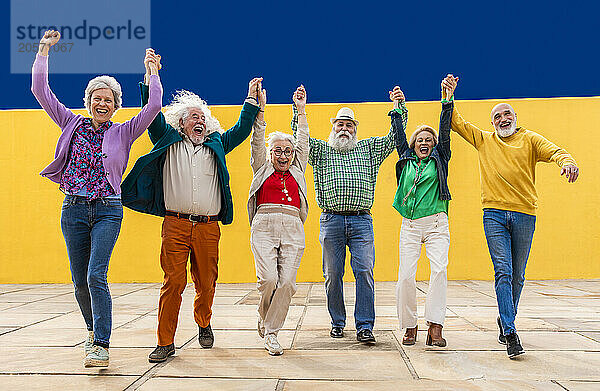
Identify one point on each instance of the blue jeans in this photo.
(509, 235)
(91, 229)
(356, 232)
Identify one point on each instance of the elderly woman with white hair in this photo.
(90, 159)
(422, 199)
(277, 208)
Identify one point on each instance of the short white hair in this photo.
(179, 108)
(279, 136)
(98, 83)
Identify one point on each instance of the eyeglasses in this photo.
(286, 152)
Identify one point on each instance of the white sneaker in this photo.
(89, 342)
(97, 357)
(272, 345)
(260, 327)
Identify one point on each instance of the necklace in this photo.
(418, 175)
(285, 190)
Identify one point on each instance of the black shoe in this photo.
(336, 332)
(161, 353)
(501, 337)
(206, 337)
(365, 335)
(513, 345)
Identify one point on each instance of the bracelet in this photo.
(251, 97)
(261, 110)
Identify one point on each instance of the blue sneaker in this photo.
(97, 357)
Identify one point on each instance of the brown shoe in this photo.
(434, 336)
(410, 336)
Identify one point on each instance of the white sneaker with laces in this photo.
(272, 345)
(89, 342)
(97, 357)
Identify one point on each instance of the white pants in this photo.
(433, 232)
(277, 242)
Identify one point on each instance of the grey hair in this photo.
(179, 108)
(279, 136)
(100, 82)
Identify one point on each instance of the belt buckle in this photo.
(191, 218)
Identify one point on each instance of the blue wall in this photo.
(354, 51)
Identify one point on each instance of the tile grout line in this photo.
(405, 358)
(280, 385)
(558, 384)
(149, 374)
(299, 325)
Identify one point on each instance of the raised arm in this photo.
(153, 102)
(302, 133)
(315, 146)
(241, 130)
(466, 130)
(258, 149)
(39, 82)
(399, 118)
(448, 86)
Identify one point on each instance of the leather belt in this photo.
(192, 218)
(350, 213)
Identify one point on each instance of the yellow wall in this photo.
(566, 242)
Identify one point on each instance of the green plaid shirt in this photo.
(345, 181)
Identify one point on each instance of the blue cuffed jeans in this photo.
(509, 235)
(356, 232)
(91, 229)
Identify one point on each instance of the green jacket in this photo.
(142, 190)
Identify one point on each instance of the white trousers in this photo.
(277, 242)
(433, 232)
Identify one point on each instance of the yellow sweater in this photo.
(507, 164)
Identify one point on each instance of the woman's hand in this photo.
(253, 88)
(151, 63)
(449, 84)
(262, 97)
(51, 37)
(396, 96)
(299, 98)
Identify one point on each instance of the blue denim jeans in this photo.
(356, 232)
(91, 229)
(509, 235)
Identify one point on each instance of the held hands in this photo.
(151, 63)
(262, 97)
(448, 85)
(396, 96)
(571, 172)
(299, 98)
(254, 87)
(51, 37)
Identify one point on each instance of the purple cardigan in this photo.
(117, 139)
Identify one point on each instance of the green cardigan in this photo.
(142, 190)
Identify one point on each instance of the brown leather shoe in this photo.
(434, 336)
(410, 336)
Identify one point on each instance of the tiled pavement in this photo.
(42, 333)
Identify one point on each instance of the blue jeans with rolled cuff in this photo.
(91, 229)
(356, 232)
(509, 235)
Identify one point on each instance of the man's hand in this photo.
(396, 96)
(151, 63)
(262, 97)
(299, 98)
(254, 87)
(449, 84)
(51, 37)
(571, 172)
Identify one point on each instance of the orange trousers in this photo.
(200, 241)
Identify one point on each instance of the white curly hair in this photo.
(100, 82)
(179, 109)
(279, 136)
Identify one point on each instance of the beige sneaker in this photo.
(89, 342)
(272, 345)
(97, 357)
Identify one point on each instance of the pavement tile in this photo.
(206, 384)
(419, 385)
(65, 383)
(246, 339)
(126, 337)
(580, 385)
(293, 364)
(320, 340)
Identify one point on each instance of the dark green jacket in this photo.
(142, 190)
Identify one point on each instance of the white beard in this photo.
(507, 132)
(342, 144)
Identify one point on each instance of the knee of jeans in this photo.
(96, 279)
(503, 275)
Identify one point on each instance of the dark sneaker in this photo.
(501, 337)
(365, 335)
(336, 332)
(206, 337)
(513, 345)
(161, 353)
